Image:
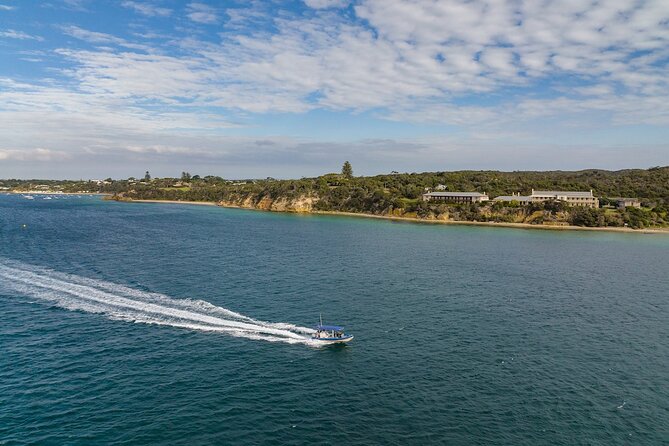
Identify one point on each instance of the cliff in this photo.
(281, 204)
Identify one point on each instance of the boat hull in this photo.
(331, 341)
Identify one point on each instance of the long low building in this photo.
(573, 198)
(623, 203)
(578, 198)
(456, 197)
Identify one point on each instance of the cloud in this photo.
(323, 4)
(77, 5)
(403, 63)
(91, 36)
(13, 34)
(201, 13)
(147, 9)
(95, 37)
(33, 155)
(487, 72)
(406, 65)
(7, 8)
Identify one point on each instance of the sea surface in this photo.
(137, 324)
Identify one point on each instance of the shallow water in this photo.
(175, 324)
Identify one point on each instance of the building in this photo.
(572, 198)
(623, 203)
(456, 197)
(521, 199)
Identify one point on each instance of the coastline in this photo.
(197, 203)
(500, 224)
(41, 192)
(492, 224)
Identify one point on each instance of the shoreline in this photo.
(41, 192)
(499, 224)
(424, 221)
(197, 203)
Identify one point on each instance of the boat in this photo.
(28, 197)
(330, 334)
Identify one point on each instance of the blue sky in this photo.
(293, 88)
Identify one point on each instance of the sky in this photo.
(280, 88)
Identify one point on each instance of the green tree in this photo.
(185, 176)
(147, 176)
(583, 216)
(347, 170)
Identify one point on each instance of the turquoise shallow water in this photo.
(117, 328)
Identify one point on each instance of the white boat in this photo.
(330, 334)
(28, 197)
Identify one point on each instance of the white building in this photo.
(456, 197)
(578, 198)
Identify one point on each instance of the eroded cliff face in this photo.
(281, 204)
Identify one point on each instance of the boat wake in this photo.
(123, 303)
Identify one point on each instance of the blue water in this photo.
(174, 324)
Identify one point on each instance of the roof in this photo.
(512, 198)
(455, 194)
(329, 327)
(562, 193)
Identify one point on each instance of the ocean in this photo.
(137, 324)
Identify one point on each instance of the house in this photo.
(623, 203)
(578, 198)
(456, 197)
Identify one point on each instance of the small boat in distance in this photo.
(330, 334)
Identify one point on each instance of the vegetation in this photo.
(400, 194)
(347, 170)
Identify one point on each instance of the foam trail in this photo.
(128, 304)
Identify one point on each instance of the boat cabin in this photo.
(329, 332)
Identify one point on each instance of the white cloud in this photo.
(420, 57)
(323, 4)
(201, 13)
(13, 34)
(7, 8)
(95, 37)
(32, 155)
(91, 36)
(147, 9)
(491, 69)
(77, 5)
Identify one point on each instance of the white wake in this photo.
(127, 304)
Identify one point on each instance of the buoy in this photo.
(24, 226)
